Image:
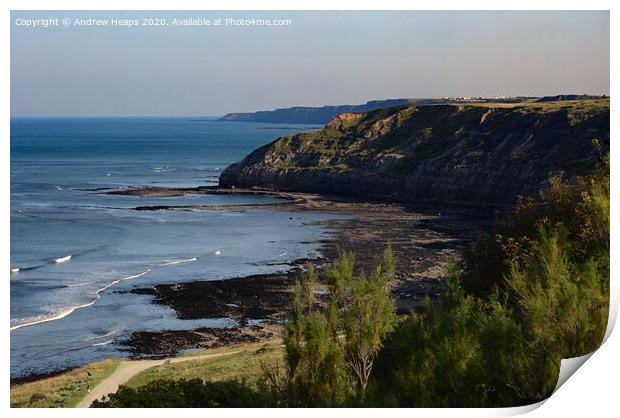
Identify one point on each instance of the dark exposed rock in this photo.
(424, 240)
(168, 343)
(253, 297)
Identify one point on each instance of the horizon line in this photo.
(604, 95)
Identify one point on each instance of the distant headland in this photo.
(322, 115)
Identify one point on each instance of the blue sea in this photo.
(75, 249)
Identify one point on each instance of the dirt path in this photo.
(129, 368)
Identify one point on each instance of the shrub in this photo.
(545, 298)
(535, 292)
(186, 394)
(580, 209)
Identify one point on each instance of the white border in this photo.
(592, 390)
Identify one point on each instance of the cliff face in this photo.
(486, 153)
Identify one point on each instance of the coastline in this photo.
(425, 239)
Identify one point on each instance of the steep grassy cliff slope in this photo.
(486, 153)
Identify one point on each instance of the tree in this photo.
(367, 312)
(331, 345)
(315, 372)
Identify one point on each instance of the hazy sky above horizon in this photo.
(323, 58)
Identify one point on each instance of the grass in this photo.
(244, 365)
(588, 103)
(69, 387)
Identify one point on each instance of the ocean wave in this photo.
(21, 269)
(78, 284)
(103, 343)
(54, 318)
(84, 305)
(58, 260)
(163, 169)
(62, 259)
(96, 337)
(136, 275)
(173, 262)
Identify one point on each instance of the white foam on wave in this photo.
(103, 343)
(218, 252)
(96, 337)
(283, 254)
(15, 270)
(84, 305)
(136, 275)
(173, 262)
(54, 318)
(163, 169)
(78, 284)
(62, 259)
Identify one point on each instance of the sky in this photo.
(321, 58)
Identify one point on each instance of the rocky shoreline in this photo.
(424, 238)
